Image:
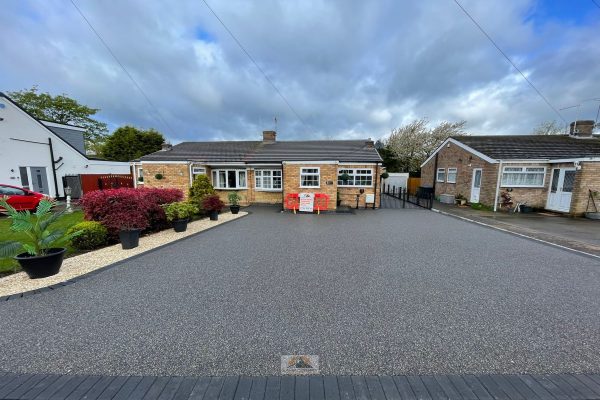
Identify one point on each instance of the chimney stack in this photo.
(269, 136)
(581, 128)
(166, 146)
(369, 143)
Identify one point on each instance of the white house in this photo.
(38, 154)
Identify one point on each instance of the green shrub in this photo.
(482, 207)
(180, 210)
(234, 198)
(201, 188)
(93, 235)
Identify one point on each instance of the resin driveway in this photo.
(378, 292)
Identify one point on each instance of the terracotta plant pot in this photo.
(42, 266)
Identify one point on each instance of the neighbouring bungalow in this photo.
(270, 171)
(45, 156)
(554, 172)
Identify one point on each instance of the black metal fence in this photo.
(422, 198)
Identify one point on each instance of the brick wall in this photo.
(328, 181)
(348, 194)
(588, 177)
(174, 176)
(464, 161)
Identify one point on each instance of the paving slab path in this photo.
(378, 292)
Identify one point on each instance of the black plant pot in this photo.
(234, 208)
(130, 239)
(180, 225)
(42, 266)
(214, 215)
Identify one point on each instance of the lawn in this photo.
(9, 266)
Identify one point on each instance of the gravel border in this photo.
(81, 266)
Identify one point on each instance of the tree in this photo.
(411, 144)
(128, 143)
(63, 110)
(200, 189)
(548, 128)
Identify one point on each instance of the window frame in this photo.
(272, 171)
(217, 172)
(523, 171)
(317, 174)
(448, 175)
(437, 175)
(353, 174)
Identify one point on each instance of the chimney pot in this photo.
(166, 146)
(582, 128)
(269, 136)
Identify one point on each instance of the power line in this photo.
(160, 117)
(255, 64)
(510, 61)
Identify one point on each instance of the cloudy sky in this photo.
(350, 69)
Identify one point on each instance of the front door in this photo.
(561, 189)
(39, 180)
(475, 185)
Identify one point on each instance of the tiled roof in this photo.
(264, 152)
(533, 147)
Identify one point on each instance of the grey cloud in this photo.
(349, 68)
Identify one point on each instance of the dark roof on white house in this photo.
(72, 136)
(533, 147)
(266, 152)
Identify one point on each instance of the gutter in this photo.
(497, 186)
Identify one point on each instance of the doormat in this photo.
(299, 364)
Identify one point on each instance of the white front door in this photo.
(561, 189)
(475, 185)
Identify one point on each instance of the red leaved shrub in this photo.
(128, 208)
(212, 203)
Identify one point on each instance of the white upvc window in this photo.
(452, 173)
(441, 175)
(140, 173)
(357, 177)
(198, 171)
(523, 176)
(267, 179)
(310, 177)
(229, 178)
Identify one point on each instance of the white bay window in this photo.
(229, 179)
(523, 176)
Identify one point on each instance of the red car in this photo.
(21, 199)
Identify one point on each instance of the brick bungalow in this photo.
(553, 172)
(268, 171)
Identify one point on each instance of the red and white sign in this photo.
(307, 202)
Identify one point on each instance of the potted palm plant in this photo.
(213, 204)
(179, 214)
(41, 253)
(234, 202)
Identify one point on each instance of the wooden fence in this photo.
(90, 182)
(413, 185)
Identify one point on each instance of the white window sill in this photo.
(523, 186)
(355, 186)
(309, 187)
(267, 190)
(240, 188)
(451, 182)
